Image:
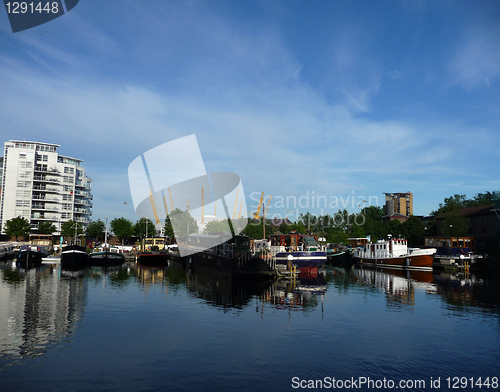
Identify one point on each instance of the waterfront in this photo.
(144, 329)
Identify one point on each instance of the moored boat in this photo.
(6, 250)
(153, 258)
(40, 246)
(73, 257)
(106, 256)
(226, 254)
(394, 253)
(297, 249)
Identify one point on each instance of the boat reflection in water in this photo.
(303, 293)
(398, 285)
(235, 292)
(38, 308)
(224, 291)
(149, 276)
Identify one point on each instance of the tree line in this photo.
(336, 228)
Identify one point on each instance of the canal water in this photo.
(143, 329)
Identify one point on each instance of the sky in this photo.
(310, 102)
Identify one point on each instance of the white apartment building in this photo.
(42, 186)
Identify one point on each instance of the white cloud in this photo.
(476, 60)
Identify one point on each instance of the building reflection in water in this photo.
(38, 307)
(222, 291)
(149, 276)
(300, 294)
(233, 293)
(398, 285)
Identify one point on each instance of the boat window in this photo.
(310, 240)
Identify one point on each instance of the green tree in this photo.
(17, 227)
(96, 229)
(413, 230)
(216, 227)
(452, 203)
(168, 230)
(455, 224)
(45, 228)
(144, 228)
(184, 223)
(393, 227)
(255, 231)
(122, 228)
(70, 228)
(373, 224)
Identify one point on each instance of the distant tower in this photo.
(398, 205)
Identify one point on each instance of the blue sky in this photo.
(336, 99)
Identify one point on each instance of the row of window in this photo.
(25, 165)
(41, 147)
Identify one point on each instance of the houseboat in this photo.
(73, 257)
(455, 252)
(153, 257)
(106, 256)
(6, 250)
(40, 245)
(394, 253)
(300, 250)
(231, 256)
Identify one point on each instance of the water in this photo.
(140, 329)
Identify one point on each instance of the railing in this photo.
(43, 197)
(45, 189)
(47, 170)
(42, 207)
(242, 260)
(83, 202)
(81, 210)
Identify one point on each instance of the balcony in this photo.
(82, 211)
(83, 202)
(45, 198)
(44, 207)
(81, 220)
(51, 170)
(44, 217)
(46, 179)
(81, 184)
(45, 189)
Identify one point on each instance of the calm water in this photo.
(139, 329)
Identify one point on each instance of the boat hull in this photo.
(153, 259)
(416, 262)
(303, 260)
(106, 259)
(74, 258)
(230, 266)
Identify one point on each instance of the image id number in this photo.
(23, 7)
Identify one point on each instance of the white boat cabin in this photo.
(384, 249)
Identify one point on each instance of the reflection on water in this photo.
(37, 307)
(398, 285)
(43, 308)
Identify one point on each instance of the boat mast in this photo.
(106, 233)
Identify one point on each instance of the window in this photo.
(69, 170)
(22, 193)
(23, 203)
(67, 197)
(66, 206)
(69, 179)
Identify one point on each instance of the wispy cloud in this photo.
(476, 60)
